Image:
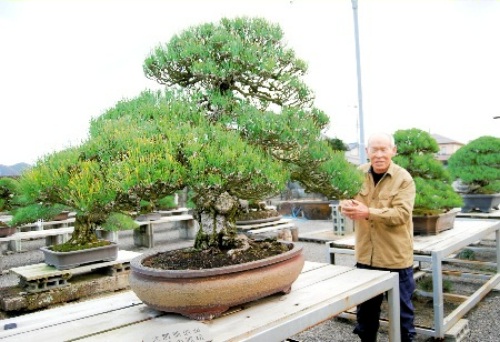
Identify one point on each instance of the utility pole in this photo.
(361, 141)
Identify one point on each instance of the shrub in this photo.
(416, 149)
(477, 165)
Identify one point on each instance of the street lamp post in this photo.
(361, 142)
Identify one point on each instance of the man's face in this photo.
(380, 153)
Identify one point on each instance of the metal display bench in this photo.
(435, 249)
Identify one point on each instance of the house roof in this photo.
(444, 140)
(352, 146)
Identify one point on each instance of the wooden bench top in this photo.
(320, 292)
(464, 232)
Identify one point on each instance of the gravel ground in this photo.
(483, 320)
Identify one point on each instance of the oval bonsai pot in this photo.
(207, 293)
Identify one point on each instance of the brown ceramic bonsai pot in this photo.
(434, 224)
(207, 293)
(6, 230)
(63, 215)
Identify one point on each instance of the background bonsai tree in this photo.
(90, 180)
(8, 188)
(236, 122)
(337, 144)
(477, 166)
(416, 150)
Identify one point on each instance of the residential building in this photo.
(447, 147)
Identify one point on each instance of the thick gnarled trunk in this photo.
(217, 228)
(84, 232)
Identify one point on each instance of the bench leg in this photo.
(332, 258)
(53, 240)
(107, 235)
(65, 237)
(188, 229)
(15, 245)
(143, 236)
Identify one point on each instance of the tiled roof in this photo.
(444, 140)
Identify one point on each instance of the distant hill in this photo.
(13, 170)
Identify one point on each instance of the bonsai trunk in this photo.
(216, 231)
(217, 224)
(84, 233)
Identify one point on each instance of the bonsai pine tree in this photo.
(477, 165)
(416, 150)
(247, 80)
(235, 122)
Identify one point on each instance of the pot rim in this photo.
(136, 265)
(111, 245)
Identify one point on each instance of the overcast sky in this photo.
(429, 64)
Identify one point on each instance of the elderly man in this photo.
(382, 212)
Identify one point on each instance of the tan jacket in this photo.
(385, 239)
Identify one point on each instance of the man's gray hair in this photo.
(383, 135)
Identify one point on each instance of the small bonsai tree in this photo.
(477, 166)
(416, 153)
(8, 189)
(236, 122)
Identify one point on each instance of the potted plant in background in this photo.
(436, 202)
(237, 122)
(7, 190)
(476, 166)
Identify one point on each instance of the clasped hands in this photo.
(353, 209)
